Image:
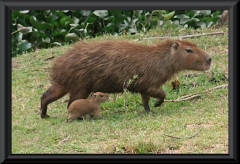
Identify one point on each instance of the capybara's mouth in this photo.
(208, 66)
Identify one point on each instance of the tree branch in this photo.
(64, 140)
(192, 96)
(184, 137)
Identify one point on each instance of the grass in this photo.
(125, 128)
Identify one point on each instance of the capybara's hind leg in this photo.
(158, 102)
(159, 94)
(52, 94)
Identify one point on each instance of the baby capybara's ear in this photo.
(91, 94)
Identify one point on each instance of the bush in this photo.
(46, 28)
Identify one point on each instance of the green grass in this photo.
(125, 127)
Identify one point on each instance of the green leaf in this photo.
(74, 25)
(66, 21)
(15, 14)
(192, 13)
(90, 19)
(158, 12)
(209, 23)
(115, 12)
(71, 37)
(168, 16)
(195, 19)
(85, 12)
(111, 26)
(133, 22)
(35, 23)
(24, 11)
(201, 24)
(55, 24)
(101, 13)
(24, 46)
(62, 32)
(216, 14)
(42, 33)
(206, 12)
(132, 30)
(184, 20)
(46, 25)
(137, 13)
(46, 40)
(56, 43)
(75, 19)
(168, 23)
(176, 22)
(122, 26)
(19, 36)
(182, 16)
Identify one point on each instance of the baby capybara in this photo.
(106, 66)
(90, 107)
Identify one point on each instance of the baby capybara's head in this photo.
(100, 97)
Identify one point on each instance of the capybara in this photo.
(90, 107)
(105, 66)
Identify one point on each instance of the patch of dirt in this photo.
(199, 125)
(14, 64)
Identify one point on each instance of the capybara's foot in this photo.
(158, 102)
(44, 116)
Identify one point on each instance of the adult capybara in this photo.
(106, 66)
(90, 107)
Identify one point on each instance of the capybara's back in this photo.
(106, 66)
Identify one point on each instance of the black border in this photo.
(5, 76)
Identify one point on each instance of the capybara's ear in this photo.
(175, 45)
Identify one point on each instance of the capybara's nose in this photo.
(208, 58)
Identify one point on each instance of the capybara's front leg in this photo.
(145, 102)
(52, 94)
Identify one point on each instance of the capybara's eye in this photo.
(101, 95)
(189, 50)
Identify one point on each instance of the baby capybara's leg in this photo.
(96, 113)
(72, 117)
(52, 94)
(145, 102)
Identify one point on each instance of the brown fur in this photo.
(83, 107)
(104, 66)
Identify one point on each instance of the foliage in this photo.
(196, 18)
(47, 28)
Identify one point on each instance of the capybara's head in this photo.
(191, 56)
(100, 96)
